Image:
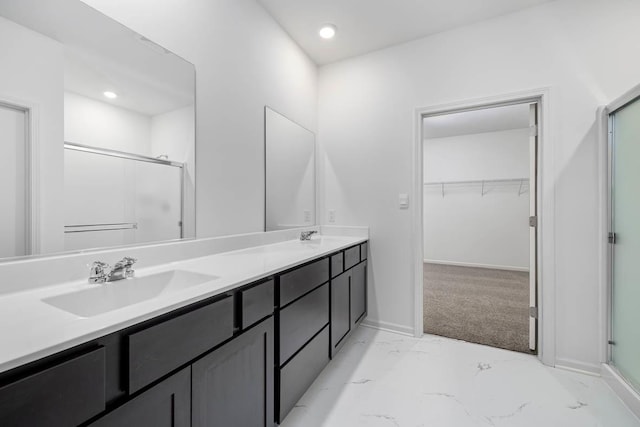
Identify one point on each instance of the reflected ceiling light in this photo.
(327, 31)
(110, 95)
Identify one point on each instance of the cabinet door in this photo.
(166, 404)
(358, 292)
(233, 386)
(339, 309)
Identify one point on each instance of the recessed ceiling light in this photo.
(110, 95)
(327, 31)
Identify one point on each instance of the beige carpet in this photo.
(480, 305)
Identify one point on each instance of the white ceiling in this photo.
(477, 121)
(367, 25)
(101, 54)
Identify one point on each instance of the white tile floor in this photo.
(383, 379)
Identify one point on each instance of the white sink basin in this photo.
(102, 298)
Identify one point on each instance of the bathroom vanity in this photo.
(240, 354)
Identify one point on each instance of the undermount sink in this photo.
(99, 299)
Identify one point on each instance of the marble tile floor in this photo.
(384, 379)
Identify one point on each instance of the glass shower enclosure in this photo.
(624, 239)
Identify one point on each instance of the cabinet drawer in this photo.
(257, 303)
(364, 247)
(302, 370)
(302, 280)
(158, 350)
(337, 264)
(302, 320)
(351, 257)
(66, 394)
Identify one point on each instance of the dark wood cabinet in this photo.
(300, 321)
(358, 292)
(299, 281)
(300, 372)
(159, 349)
(167, 404)
(238, 359)
(65, 394)
(233, 386)
(257, 303)
(351, 257)
(340, 306)
(337, 264)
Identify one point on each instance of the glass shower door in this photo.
(625, 195)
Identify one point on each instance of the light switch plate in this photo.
(403, 200)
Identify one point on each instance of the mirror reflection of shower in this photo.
(107, 153)
(113, 198)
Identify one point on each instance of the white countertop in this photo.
(31, 329)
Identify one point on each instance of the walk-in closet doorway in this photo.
(479, 213)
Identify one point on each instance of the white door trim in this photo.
(546, 206)
(32, 166)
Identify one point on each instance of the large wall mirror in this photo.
(290, 184)
(97, 133)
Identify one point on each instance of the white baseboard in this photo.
(388, 327)
(470, 264)
(620, 387)
(573, 365)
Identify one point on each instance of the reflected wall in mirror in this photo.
(290, 184)
(97, 132)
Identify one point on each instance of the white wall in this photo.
(488, 155)
(32, 73)
(465, 227)
(586, 51)
(243, 61)
(100, 124)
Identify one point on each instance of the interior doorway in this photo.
(479, 218)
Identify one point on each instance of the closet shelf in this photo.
(523, 184)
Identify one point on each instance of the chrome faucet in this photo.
(102, 272)
(98, 272)
(122, 269)
(306, 235)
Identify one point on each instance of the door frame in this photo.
(545, 207)
(32, 169)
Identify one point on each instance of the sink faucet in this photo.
(101, 272)
(98, 272)
(122, 269)
(306, 235)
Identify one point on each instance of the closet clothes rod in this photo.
(85, 228)
(519, 181)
